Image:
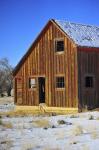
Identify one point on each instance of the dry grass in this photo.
(60, 135)
(6, 144)
(74, 116)
(85, 147)
(94, 135)
(0, 122)
(6, 125)
(20, 113)
(97, 118)
(6, 100)
(52, 148)
(27, 110)
(28, 146)
(34, 110)
(41, 123)
(77, 130)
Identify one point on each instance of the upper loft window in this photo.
(59, 45)
(59, 82)
(89, 81)
(32, 83)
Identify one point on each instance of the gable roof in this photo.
(82, 35)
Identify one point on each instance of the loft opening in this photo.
(60, 82)
(89, 81)
(59, 45)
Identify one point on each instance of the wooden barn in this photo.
(61, 68)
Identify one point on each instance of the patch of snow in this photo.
(77, 132)
(7, 107)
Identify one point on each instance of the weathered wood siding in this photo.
(43, 61)
(88, 64)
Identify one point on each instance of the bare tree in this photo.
(5, 76)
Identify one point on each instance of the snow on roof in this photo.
(82, 35)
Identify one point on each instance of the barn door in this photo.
(19, 90)
(89, 100)
(41, 82)
(89, 92)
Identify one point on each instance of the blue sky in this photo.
(22, 20)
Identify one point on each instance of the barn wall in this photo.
(65, 64)
(88, 64)
(44, 61)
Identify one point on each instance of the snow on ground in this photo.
(72, 132)
(6, 104)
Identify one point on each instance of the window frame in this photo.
(93, 81)
(59, 82)
(29, 83)
(56, 40)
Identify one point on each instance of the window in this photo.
(59, 82)
(89, 81)
(32, 82)
(59, 45)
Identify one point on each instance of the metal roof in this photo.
(82, 35)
